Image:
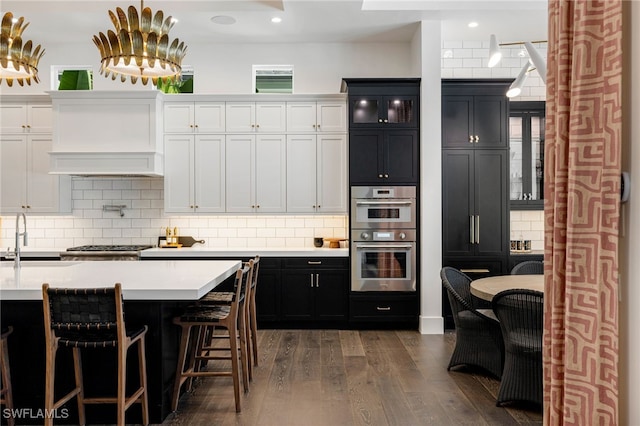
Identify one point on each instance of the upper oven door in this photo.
(383, 207)
(383, 213)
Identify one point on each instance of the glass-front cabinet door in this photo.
(383, 111)
(526, 143)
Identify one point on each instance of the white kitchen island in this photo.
(153, 292)
(161, 280)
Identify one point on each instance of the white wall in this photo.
(226, 68)
(427, 46)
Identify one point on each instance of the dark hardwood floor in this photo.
(351, 377)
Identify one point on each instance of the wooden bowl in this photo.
(334, 242)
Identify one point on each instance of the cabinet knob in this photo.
(23, 206)
(191, 125)
(253, 125)
(28, 126)
(314, 126)
(196, 126)
(318, 205)
(258, 206)
(191, 206)
(470, 138)
(477, 138)
(253, 207)
(379, 120)
(386, 176)
(257, 125)
(386, 121)
(24, 127)
(197, 206)
(380, 176)
(318, 126)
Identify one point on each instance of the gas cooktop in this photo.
(100, 247)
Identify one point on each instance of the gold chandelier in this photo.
(139, 47)
(17, 61)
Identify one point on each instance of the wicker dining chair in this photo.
(520, 313)
(528, 267)
(478, 335)
(91, 318)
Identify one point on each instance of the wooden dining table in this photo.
(486, 288)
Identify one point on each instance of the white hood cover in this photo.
(110, 133)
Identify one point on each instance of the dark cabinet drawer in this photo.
(316, 262)
(384, 308)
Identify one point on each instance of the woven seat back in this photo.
(256, 267)
(521, 315)
(529, 267)
(77, 316)
(458, 286)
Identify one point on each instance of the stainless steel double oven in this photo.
(383, 238)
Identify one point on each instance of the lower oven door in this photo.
(383, 266)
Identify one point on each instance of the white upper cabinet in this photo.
(255, 173)
(194, 174)
(256, 117)
(317, 173)
(194, 117)
(321, 116)
(25, 117)
(25, 183)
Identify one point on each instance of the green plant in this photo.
(76, 80)
(171, 86)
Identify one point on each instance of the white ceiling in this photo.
(304, 21)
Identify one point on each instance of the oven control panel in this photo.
(383, 235)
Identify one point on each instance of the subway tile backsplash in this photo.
(144, 220)
(528, 225)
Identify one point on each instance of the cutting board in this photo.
(183, 240)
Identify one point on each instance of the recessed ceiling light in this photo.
(276, 20)
(472, 24)
(223, 20)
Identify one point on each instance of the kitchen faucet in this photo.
(16, 253)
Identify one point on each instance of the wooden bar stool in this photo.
(91, 318)
(6, 393)
(206, 317)
(253, 322)
(247, 322)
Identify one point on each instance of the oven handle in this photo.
(383, 203)
(384, 246)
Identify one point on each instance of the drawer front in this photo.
(316, 262)
(384, 309)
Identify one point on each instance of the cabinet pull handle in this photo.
(472, 233)
(475, 271)
(383, 308)
(478, 229)
(477, 138)
(314, 262)
(311, 280)
(317, 280)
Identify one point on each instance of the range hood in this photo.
(107, 133)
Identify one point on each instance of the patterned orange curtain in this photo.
(582, 192)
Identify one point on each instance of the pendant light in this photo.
(516, 87)
(538, 61)
(494, 52)
(139, 47)
(17, 60)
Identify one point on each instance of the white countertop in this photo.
(200, 251)
(160, 280)
(203, 251)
